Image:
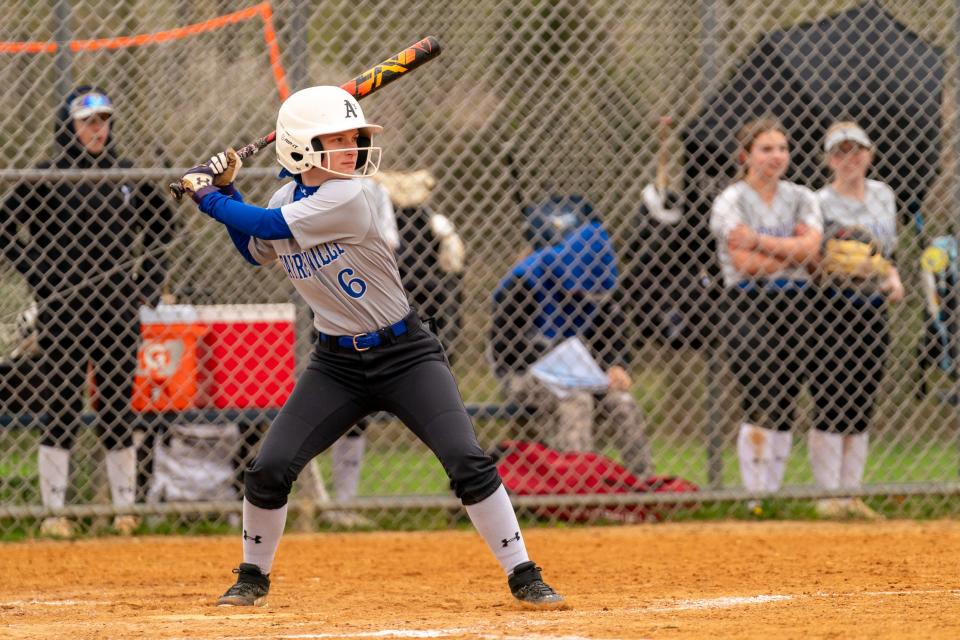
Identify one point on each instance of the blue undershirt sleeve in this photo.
(233, 192)
(267, 224)
(241, 241)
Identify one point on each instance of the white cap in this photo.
(847, 133)
(88, 104)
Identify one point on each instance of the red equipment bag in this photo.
(532, 469)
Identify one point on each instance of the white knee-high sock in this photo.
(496, 522)
(754, 448)
(262, 529)
(854, 460)
(781, 442)
(347, 458)
(53, 465)
(122, 474)
(826, 458)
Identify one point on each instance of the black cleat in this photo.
(249, 591)
(529, 588)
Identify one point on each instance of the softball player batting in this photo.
(767, 231)
(372, 354)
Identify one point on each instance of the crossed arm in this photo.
(757, 254)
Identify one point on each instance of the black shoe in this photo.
(249, 591)
(529, 588)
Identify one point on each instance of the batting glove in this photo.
(198, 182)
(226, 165)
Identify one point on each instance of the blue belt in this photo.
(779, 284)
(365, 341)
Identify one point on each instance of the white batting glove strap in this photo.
(225, 166)
(218, 163)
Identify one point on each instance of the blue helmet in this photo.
(547, 222)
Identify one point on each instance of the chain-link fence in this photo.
(558, 178)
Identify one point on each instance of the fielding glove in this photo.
(853, 254)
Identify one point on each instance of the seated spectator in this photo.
(430, 257)
(565, 289)
(430, 253)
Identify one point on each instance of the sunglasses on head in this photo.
(89, 105)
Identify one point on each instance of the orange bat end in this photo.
(392, 68)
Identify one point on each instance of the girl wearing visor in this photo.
(767, 232)
(78, 244)
(854, 344)
(373, 352)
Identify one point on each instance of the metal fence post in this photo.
(62, 34)
(713, 431)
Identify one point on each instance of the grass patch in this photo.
(412, 470)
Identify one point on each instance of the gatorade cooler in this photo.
(246, 355)
(167, 365)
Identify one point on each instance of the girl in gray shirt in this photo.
(855, 338)
(767, 231)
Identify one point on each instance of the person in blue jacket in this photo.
(566, 287)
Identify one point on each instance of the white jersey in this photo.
(740, 204)
(338, 259)
(877, 212)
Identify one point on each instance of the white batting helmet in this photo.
(317, 111)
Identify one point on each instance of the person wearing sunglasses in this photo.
(92, 251)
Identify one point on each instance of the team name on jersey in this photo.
(780, 231)
(302, 265)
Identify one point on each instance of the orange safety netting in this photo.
(263, 10)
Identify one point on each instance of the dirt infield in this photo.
(724, 580)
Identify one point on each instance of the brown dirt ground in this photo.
(694, 580)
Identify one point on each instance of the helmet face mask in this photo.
(318, 111)
(368, 158)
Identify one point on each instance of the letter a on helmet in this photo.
(317, 111)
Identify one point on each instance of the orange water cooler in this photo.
(167, 363)
(222, 356)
